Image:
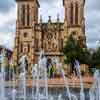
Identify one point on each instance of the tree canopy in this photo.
(95, 59)
(73, 51)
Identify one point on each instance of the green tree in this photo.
(95, 61)
(73, 51)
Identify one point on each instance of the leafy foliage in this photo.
(95, 59)
(73, 51)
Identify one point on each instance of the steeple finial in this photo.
(40, 18)
(58, 17)
(49, 19)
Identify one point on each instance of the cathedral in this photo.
(32, 34)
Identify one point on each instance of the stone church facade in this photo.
(33, 35)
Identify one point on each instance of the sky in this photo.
(8, 16)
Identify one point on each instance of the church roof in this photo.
(46, 26)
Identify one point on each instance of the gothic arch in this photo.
(28, 15)
(23, 15)
(71, 13)
(76, 13)
(21, 48)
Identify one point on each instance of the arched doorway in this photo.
(49, 62)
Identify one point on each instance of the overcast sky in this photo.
(52, 8)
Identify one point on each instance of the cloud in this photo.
(92, 13)
(7, 40)
(7, 27)
(51, 8)
(5, 5)
(8, 17)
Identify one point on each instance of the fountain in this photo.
(2, 75)
(40, 72)
(95, 90)
(66, 84)
(77, 67)
(12, 77)
(40, 89)
(22, 78)
(35, 82)
(69, 94)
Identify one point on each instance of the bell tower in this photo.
(74, 21)
(27, 17)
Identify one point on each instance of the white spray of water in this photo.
(95, 90)
(77, 66)
(2, 75)
(11, 71)
(22, 78)
(41, 73)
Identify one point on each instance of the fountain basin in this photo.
(53, 92)
(57, 82)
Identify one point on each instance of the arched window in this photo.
(34, 14)
(21, 48)
(28, 15)
(36, 44)
(28, 47)
(74, 33)
(23, 15)
(25, 34)
(66, 13)
(61, 45)
(71, 14)
(76, 13)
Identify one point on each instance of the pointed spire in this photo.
(40, 18)
(58, 19)
(49, 19)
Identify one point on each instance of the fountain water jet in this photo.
(40, 72)
(77, 67)
(66, 84)
(35, 82)
(22, 78)
(14, 91)
(70, 95)
(95, 90)
(2, 75)
(40, 82)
